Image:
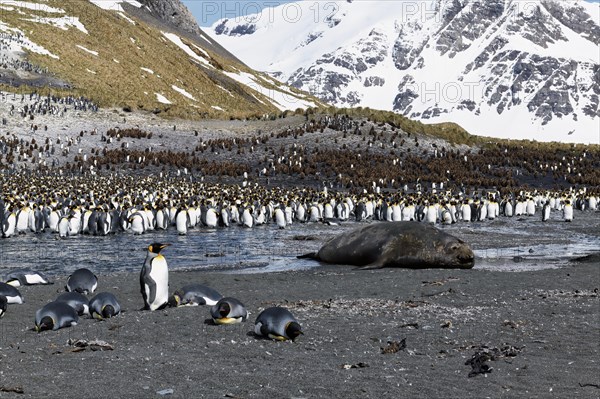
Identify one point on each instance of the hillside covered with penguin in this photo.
(148, 56)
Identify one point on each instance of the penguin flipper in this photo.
(311, 255)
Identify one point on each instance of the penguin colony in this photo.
(111, 205)
(275, 323)
(339, 151)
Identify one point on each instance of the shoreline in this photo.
(550, 317)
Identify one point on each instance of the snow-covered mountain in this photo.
(503, 68)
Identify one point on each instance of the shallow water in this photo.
(508, 244)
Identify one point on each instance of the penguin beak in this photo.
(164, 246)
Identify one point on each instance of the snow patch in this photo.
(16, 48)
(150, 71)
(284, 100)
(33, 6)
(162, 99)
(179, 43)
(87, 50)
(183, 92)
(61, 22)
(114, 5)
(217, 108)
(125, 17)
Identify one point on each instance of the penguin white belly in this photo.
(431, 215)
(328, 211)
(247, 220)
(389, 214)
(211, 218)
(466, 213)
(63, 227)
(181, 222)
(406, 213)
(53, 221)
(160, 275)
(508, 209)
(568, 213)
(31, 222)
(22, 221)
(150, 219)
(225, 217)
(280, 218)
(137, 225)
(482, 213)
(74, 225)
(530, 208)
(288, 215)
(161, 220)
(260, 218)
(546, 211)
(314, 214)
(9, 226)
(301, 213)
(396, 213)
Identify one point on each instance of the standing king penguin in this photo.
(154, 278)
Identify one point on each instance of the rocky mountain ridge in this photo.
(501, 68)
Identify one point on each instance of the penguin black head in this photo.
(174, 301)
(108, 311)
(157, 247)
(293, 330)
(47, 323)
(3, 305)
(224, 309)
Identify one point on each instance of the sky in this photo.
(209, 11)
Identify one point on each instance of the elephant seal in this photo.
(396, 244)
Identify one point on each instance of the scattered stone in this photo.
(447, 324)
(164, 392)
(413, 325)
(95, 345)
(358, 365)
(304, 238)
(478, 361)
(15, 389)
(394, 346)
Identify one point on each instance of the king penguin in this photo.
(11, 294)
(154, 278)
(228, 311)
(76, 300)
(194, 295)
(104, 306)
(277, 323)
(82, 281)
(20, 277)
(55, 315)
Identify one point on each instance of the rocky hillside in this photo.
(503, 68)
(146, 55)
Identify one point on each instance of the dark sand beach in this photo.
(540, 330)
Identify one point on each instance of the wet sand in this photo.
(545, 325)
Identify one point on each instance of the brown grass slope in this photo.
(124, 83)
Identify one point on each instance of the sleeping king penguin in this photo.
(154, 278)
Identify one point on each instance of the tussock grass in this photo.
(125, 84)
